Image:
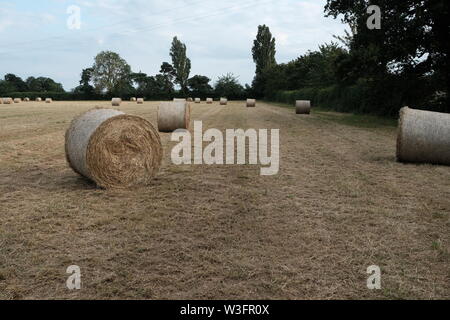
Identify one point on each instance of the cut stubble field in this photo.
(340, 204)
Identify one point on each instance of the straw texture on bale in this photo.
(113, 149)
(48, 100)
(38, 99)
(209, 100)
(198, 100)
(17, 100)
(423, 137)
(133, 99)
(116, 102)
(303, 107)
(140, 101)
(173, 116)
(251, 103)
(223, 101)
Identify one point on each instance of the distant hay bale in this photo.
(423, 137)
(48, 100)
(179, 100)
(209, 100)
(303, 107)
(113, 149)
(26, 99)
(1, 100)
(8, 101)
(173, 116)
(116, 102)
(38, 99)
(17, 100)
(133, 99)
(251, 103)
(223, 101)
(198, 100)
(140, 101)
(190, 100)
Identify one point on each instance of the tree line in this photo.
(404, 62)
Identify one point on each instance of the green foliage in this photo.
(12, 83)
(181, 64)
(228, 86)
(264, 57)
(111, 73)
(199, 86)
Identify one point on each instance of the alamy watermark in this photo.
(74, 19)
(74, 280)
(374, 21)
(235, 145)
(374, 281)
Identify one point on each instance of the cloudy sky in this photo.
(36, 39)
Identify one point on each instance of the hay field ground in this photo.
(340, 204)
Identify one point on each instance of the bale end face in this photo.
(112, 149)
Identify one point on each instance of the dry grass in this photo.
(340, 204)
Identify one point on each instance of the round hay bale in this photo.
(223, 101)
(303, 107)
(113, 149)
(8, 101)
(423, 137)
(48, 100)
(190, 100)
(17, 100)
(1, 100)
(133, 99)
(198, 100)
(179, 100)
(26, 99)
(38, 99)
(173, 116)
(209, 100)
(140, 101)
(251, 103)
(116, 102)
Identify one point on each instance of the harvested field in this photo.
(340, 204)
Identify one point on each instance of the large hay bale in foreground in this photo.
(223, 101)
(173, 116)
(48, 100)
(198, 100)
(38, 99)
(113, 149)
(423, 137)
(140, 101)
(17, 100)
(209, 100)
(116, 102)
(251, 103)
(303, 107)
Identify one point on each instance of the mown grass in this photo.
(348, 119)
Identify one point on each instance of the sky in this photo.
(37, 40)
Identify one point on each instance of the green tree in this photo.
(85, 86)
(181, 64)
(16, 82)
(228, 86)
(411, 46)
(199, 85)
(264, 57)
(111, 73)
